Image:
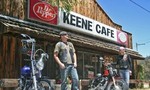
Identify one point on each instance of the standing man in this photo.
(125, 65)
(65, 56)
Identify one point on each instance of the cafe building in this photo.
(90, 29)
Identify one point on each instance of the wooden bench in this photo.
(8, 82)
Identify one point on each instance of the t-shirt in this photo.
(66, 48)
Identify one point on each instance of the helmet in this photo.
(25, 70)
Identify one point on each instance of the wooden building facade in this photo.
(14, 21)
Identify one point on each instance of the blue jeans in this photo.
(69, 70)
(125, 75)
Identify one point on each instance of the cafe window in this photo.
(88, 64)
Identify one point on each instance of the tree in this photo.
(147, 66)
(64, 4)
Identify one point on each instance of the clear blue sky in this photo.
(133, 19)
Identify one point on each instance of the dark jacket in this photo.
(124, 64)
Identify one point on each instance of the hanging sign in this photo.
(42, 11)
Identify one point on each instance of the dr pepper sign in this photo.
(42, 11)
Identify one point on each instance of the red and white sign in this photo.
(42, 11)
(122, 38)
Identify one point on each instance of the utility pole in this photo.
(139, 45)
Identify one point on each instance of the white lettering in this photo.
(45, 12)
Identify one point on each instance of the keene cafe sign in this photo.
(79, 23)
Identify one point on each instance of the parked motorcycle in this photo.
(31, 77)
(109, 80)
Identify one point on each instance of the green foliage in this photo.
(143, 71)
(64, 4)
(140, 72)
(147, 68)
